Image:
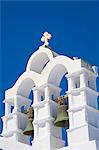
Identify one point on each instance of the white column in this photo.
(71, 123)
(35, 132)
(7, 108)
(47, 105)
(93, 83)
(48, 127)
(85, 116)
(70, 100)
(47, 97)
(4, 125)
(47, 93)
(71, 84)
(36, 96)
(16, 107)
(84, 97)
(35, 113)
(83, 80)
(15, 118)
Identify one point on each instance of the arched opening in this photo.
(57, 77)
(25, 89)
(39, 62)
(31, 97)
(64, 86)
(57, 74)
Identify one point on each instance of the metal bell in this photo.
(29, 130)
(62, 119)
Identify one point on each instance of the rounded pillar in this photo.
(83, 80)
(7, 108)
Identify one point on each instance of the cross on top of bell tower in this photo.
(46, 36)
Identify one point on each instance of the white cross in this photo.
(46, 36)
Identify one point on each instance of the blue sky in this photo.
(74, 27)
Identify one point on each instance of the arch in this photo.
(39, 59)
(25, 87)
(55, 69)
(52, 73)
(24, 84)
(57, 74)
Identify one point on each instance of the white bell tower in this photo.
(14, 120)
(46, 135)
(83, 113)
(44, 72)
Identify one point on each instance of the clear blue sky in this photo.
(74, 27)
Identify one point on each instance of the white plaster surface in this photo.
(43, 75)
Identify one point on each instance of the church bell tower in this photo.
(43, 117)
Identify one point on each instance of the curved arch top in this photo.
(38, 74)
(39, 59)
(55, 69)
(56, 74)
(24, 84)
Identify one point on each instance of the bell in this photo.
(29, 130)
(62, 119)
